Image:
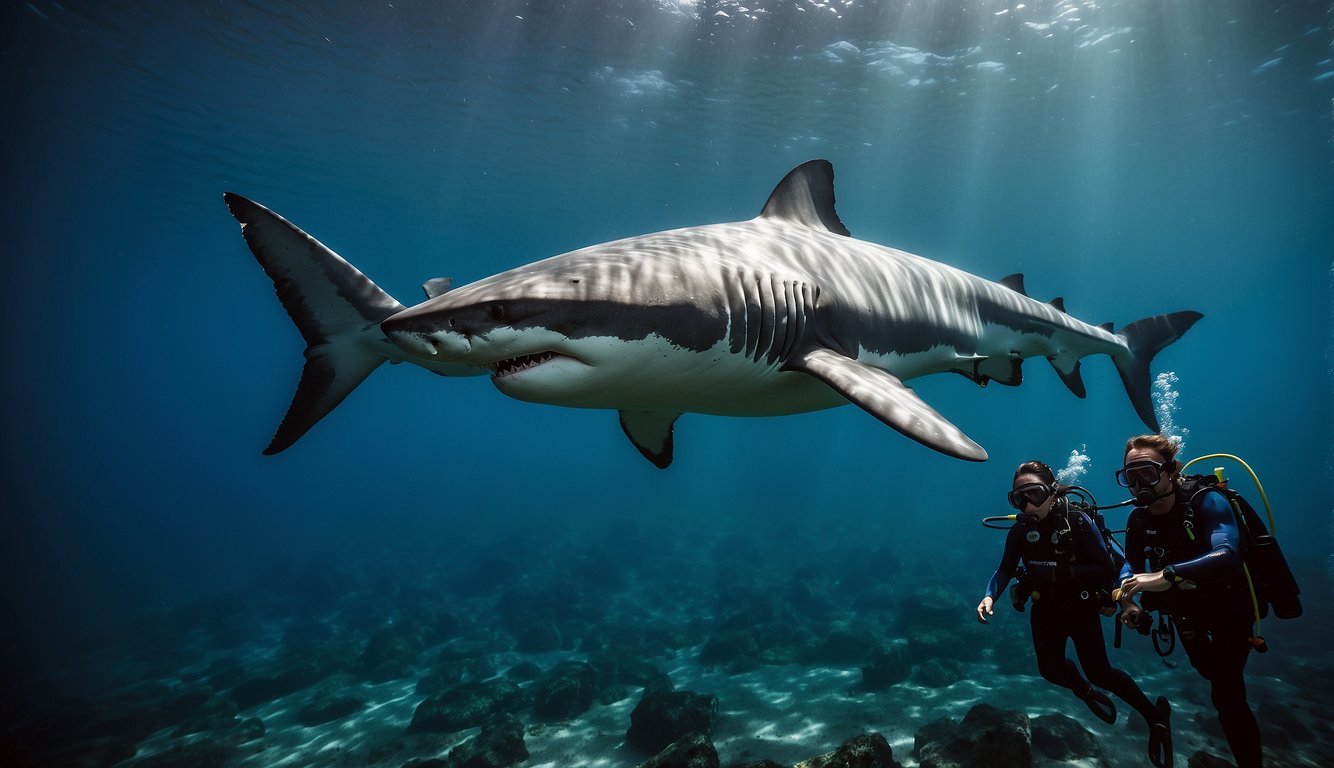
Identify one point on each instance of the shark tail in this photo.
(337, 309)
(1144, 339)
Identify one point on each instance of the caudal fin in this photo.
(1147, 338)
(337, 309)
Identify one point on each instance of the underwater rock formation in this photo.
(662, 717)
(499, 745)
(693, 750)
(987, 736)
(466, 706)
(869, 750)
(390, 653)
(567, 691)
(941, 673)
(887, 665)
(294, 673)
(1062, 738)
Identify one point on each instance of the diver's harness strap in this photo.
(1031, 585)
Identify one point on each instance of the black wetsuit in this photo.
(1211, 605)
(1070, 573)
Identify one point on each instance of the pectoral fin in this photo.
(651, 432)
(882, 395)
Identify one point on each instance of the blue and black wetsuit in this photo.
(1070, 574)
(1210, 605)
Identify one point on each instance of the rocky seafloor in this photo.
(632, 645)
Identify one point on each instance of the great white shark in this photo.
(781, 314)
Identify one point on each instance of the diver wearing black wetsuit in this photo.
(1070, 573)
(1199, 555)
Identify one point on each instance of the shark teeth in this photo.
(513, 365)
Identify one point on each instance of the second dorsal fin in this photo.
(1015, 283)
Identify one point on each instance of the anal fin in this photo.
(651, 432)
(881, 394)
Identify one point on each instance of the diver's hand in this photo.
(1144, 582)
(1130, 613)
(984, 609)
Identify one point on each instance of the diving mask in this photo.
(1035, 494)
(1139, 474)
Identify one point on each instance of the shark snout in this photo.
(425, 341)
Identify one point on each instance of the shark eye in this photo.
(496, 311)
(453, 323)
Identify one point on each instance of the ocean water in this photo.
(1134, 158)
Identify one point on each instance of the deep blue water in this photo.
(1135, 158)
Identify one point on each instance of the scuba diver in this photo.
(1068, 572)
(1185, 556)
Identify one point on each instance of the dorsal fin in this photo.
(1059, 303)
(437, 286)
(1106, 327)
(1015, 283)
(806, 196)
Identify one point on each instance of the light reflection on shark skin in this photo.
(785, 313)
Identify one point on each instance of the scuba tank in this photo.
(1267, 569)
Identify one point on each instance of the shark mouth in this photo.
(513, 365)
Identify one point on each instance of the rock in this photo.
(741, 665)
(779, 655)
(869, 750)
(662, 717)
(727, 646)
(1206, 721)
(326, 710)
(936, 730)
(139, 711)
(566, 692)
(627, 670)
(1063, 738)
(841, 643)
(933, 608)
(523, 672)
(479, 669)
(499, 745)
(441, 678)
(691, 751)
(390, 654)
(987, 736)
(941, 673)
(762, 764)
(542, 637)
(468, 647)
(283, 678)
(465, 706)
(888, 665)
(1279, 726)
